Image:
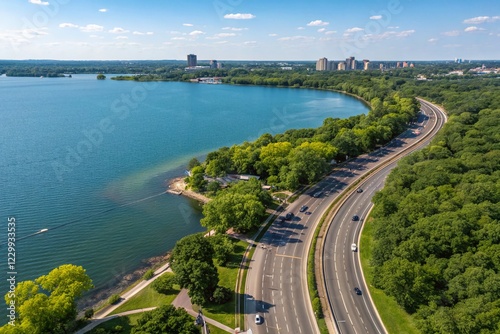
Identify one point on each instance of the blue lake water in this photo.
(84, 159)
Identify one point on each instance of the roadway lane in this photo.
(341, 266)
(276, 281)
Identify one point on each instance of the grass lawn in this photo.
(227, 277)
(395, 319)
(126, 322)
(147, 297)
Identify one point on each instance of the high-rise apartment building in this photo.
(350, 63)
(366, 64)
(331, 66)
(341, 66)
(213, 64)
(191, 60)
(322, 64)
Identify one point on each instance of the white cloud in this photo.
(317, 23)
(118, 30)
(121, 37)
(330, 32)
(196, 33)
(250, 42)
(221, 42)
(273, 35)
(239, 16)
(92, 28)
(226, 34)
(68, 25)
(103, 10)
(355, 29)
(432, 40)
(39, 2)
(393, 27)
(481, 19)
(472, 28)
(187, 24)
(451, 33)
(296, 38)
(375, 17)
(96, 36)
(300, 28)
(142, 33)
(178, 38)
(234, 29)
(405, 33)
(321, 29)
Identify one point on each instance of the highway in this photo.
(276, 285)
(355, 313)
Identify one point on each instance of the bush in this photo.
(316, 304)
(89, 313)
(222, 295)
(148, 274)
(114, 299)
(164, 284)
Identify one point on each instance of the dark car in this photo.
(355, 218)
(318, 194)
(359, 190)
(303, 208)
(357, 290)
(289, 216)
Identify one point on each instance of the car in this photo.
(318, 194)
(303, 208)
(308, 213)
(355, 218)
(359, 190)
(358, 291)
(289, 216)
(258, 319)
(354, 247)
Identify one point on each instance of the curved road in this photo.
(355, 313)
(276, 287)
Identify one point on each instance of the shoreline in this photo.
(177, 186)
(98, 299)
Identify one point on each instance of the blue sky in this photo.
(249, 29)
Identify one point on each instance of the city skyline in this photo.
(244, 30)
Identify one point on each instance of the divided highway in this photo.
(276, 285)
(354, 311)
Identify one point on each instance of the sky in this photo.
(249, 29)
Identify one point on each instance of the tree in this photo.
(193, 246)
(47, 305)
(165, 283)
(200, 278)
(223, 248)
(165, 319)
(101, 76)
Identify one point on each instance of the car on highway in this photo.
(355, 218)
(308, 213)
(359, 190)
(354, 247)
(318, 194)
(357, 290)
(258, 319)
(303, 208)
(289, 216)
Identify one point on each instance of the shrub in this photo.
(148, 274)
(114, 299)
(164, 283)
(222, 295)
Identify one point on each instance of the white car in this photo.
(354, 247)
(258, 319)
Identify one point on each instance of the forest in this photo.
(436, 221)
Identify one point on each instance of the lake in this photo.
(89, 160)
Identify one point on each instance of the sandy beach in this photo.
(178, 186)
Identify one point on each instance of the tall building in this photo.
(350, 63)
(322, 64)
(213, 64)
(341, 66)
(331, 65)
(191, 60)
(366, 64)
(405, 64)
